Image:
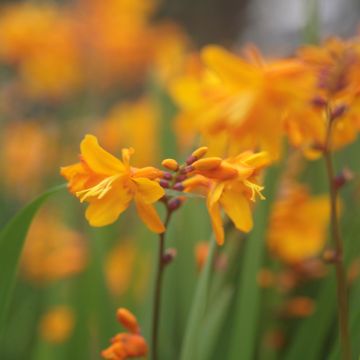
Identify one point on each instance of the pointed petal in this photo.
(106, 210)
(215, 194)
(237, 207)
(216, 222)
(148, 190)
(149, 216)
(98, 159)
(228, 66)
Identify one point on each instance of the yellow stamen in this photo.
(99, 190)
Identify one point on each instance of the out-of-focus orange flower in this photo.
(28, 149)
(56, 325)
(119, 267)
(201, 254)
(126, 345)
(300, 307)
(118, 38)
(52, 251)
(336, 65)
(298, 225)
(132, 124)
(40, 41)
(232, 187)
(240, 104)
(109, 184)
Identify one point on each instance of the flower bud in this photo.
(318, 101)
(178, 186)
(330, 256)
(170, 164)
(169, 256)
(164, 184)
(174, 204)
(338, 111)
(342, 178)
(210, 163)
(191, 159)
(128, 320)
(200, 152)
(167, 176)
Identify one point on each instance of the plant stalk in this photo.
(342, 295)
(158, 289)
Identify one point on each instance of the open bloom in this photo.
(109, 185)
(232, 186)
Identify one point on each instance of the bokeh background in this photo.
(68, 68)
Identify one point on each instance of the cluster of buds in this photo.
(127, 344)
(176, 176)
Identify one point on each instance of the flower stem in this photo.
(342, 296)
(158, 287)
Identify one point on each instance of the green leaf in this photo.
(12, 239)
(213, 324)
(247, 303)
(198, 309)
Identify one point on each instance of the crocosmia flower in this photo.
(231, 186)
(109, 185)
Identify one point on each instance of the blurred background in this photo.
(68, 68)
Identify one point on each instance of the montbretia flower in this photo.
(126, 344)
(231, 186)
(109, 185)
(298, 224)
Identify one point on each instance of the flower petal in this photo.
(237, 207)
(216, 222)
(149, 216)
(215, 194)
(148, 191)
(98, 159)
(106, 210)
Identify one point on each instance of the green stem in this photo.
(342, 296)
(158, 288)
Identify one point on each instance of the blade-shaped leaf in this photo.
(12, 239)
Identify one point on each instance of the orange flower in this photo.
(52, 250)
(56, 325)
(126, 345)
(109, 185)
(336, 65)
(232, 187)
(238, 104)
(298, 225)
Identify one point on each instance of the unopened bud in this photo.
(200, 152)
(169, 256)
(338, 111)
(207, 164)
(191, 159)
(331, 256)
(300, 307)
(174, 204)
(164, 184)
(178, 186)
(181, 177)
(318, 101)
(344, 177)
(167, 176)
(170, 164)
(128, 320)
